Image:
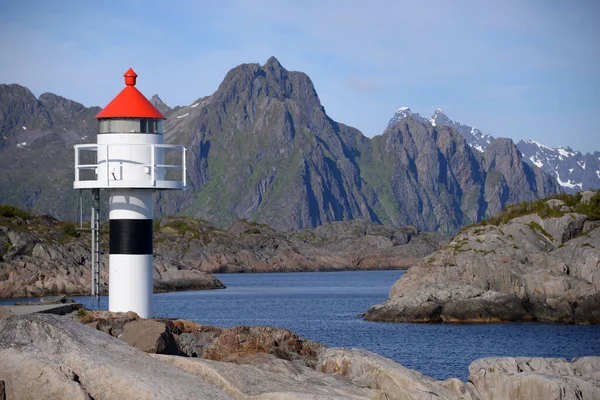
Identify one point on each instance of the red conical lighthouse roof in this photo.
(130, 103)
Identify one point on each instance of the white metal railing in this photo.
(153, 176)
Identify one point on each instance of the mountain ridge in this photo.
(263, 148)
(563, 163)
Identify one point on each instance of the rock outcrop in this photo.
(512, 269)
(60, 358)
(251, 247)
(40, 256)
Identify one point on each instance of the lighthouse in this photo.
(130, 162)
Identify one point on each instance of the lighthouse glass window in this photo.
(148, 125)
(131, 125)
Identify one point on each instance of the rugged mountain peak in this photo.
(573, 170)
(252, 82)
(19, 111)
(402, 113)
(439, 118)
(273, 63)
(157, 102)
(60, 104)
(503, 146)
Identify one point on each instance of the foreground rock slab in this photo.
(267, 377)
(57, 358)
(390, 379)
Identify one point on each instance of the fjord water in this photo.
(325, 307)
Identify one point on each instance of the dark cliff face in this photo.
(510, 179)
(430, 177)
(263, 148)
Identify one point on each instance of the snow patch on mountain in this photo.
(571, 168)
(569, 184)
(536, 162)
(402, 113)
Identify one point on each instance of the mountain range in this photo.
(263, 148)
(573, 170)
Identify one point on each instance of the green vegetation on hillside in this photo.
(8, 211)
(544, 210)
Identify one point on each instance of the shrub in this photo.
(11, 211)
(69, 229)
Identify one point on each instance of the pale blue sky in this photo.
(519, 69)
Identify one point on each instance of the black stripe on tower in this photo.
(130, 236)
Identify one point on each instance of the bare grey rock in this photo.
(559, 229)
(194, 344)
(587, 195)
(529, 268)
(63, 359)
(535, 378)
(248, 246)
(391, 380)
(267, 377)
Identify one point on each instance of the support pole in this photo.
(93, 262)
(96, 237)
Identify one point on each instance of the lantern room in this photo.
(130, 150)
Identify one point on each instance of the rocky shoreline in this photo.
(528, 267)
(40, 256)
(104, 355)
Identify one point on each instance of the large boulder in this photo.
(536, 378)
(58, 358)
(150, 336)
(241, 341)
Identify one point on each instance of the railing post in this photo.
(76, 164)
(152, 166)
(184, 168)
(107, 167)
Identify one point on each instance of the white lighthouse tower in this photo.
(130, 163)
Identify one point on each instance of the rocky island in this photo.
(535, 261)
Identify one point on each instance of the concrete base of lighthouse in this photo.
(130, 260)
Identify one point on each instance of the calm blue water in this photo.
(324, 306)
